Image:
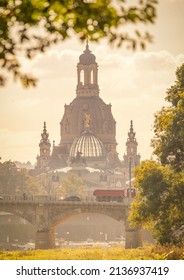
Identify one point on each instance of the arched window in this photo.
(92, 77)
(82, 77)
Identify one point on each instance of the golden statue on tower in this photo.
(87, 120)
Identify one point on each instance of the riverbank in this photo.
(114, 253)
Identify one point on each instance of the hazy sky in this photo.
(134, 83)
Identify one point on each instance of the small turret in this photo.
(131, 156)
(44, 157)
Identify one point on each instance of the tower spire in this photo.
(45, 134)
(87, 44)
(131, 125)
(131, 133)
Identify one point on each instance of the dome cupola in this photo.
(88, 145)
(87, 57)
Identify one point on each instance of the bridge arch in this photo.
(21, 212)
(63, 216)
(65, 210)
(15, 230)
(83, 226)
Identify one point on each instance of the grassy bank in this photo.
(116, 253)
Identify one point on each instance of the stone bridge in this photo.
(46, 212)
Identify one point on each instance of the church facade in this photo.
(87, 130)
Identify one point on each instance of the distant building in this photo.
(88, 134)
(24, 165)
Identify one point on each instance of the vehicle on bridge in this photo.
(72, 198)
(108, 195)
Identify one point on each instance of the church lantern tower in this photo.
(45, 149)
(87, 74)
(131, 158)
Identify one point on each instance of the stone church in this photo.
(88, 132)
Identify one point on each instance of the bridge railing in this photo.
(54, 199)
(39, 198)
(27, 198)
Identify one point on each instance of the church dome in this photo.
(87, 57)
(88, 145)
